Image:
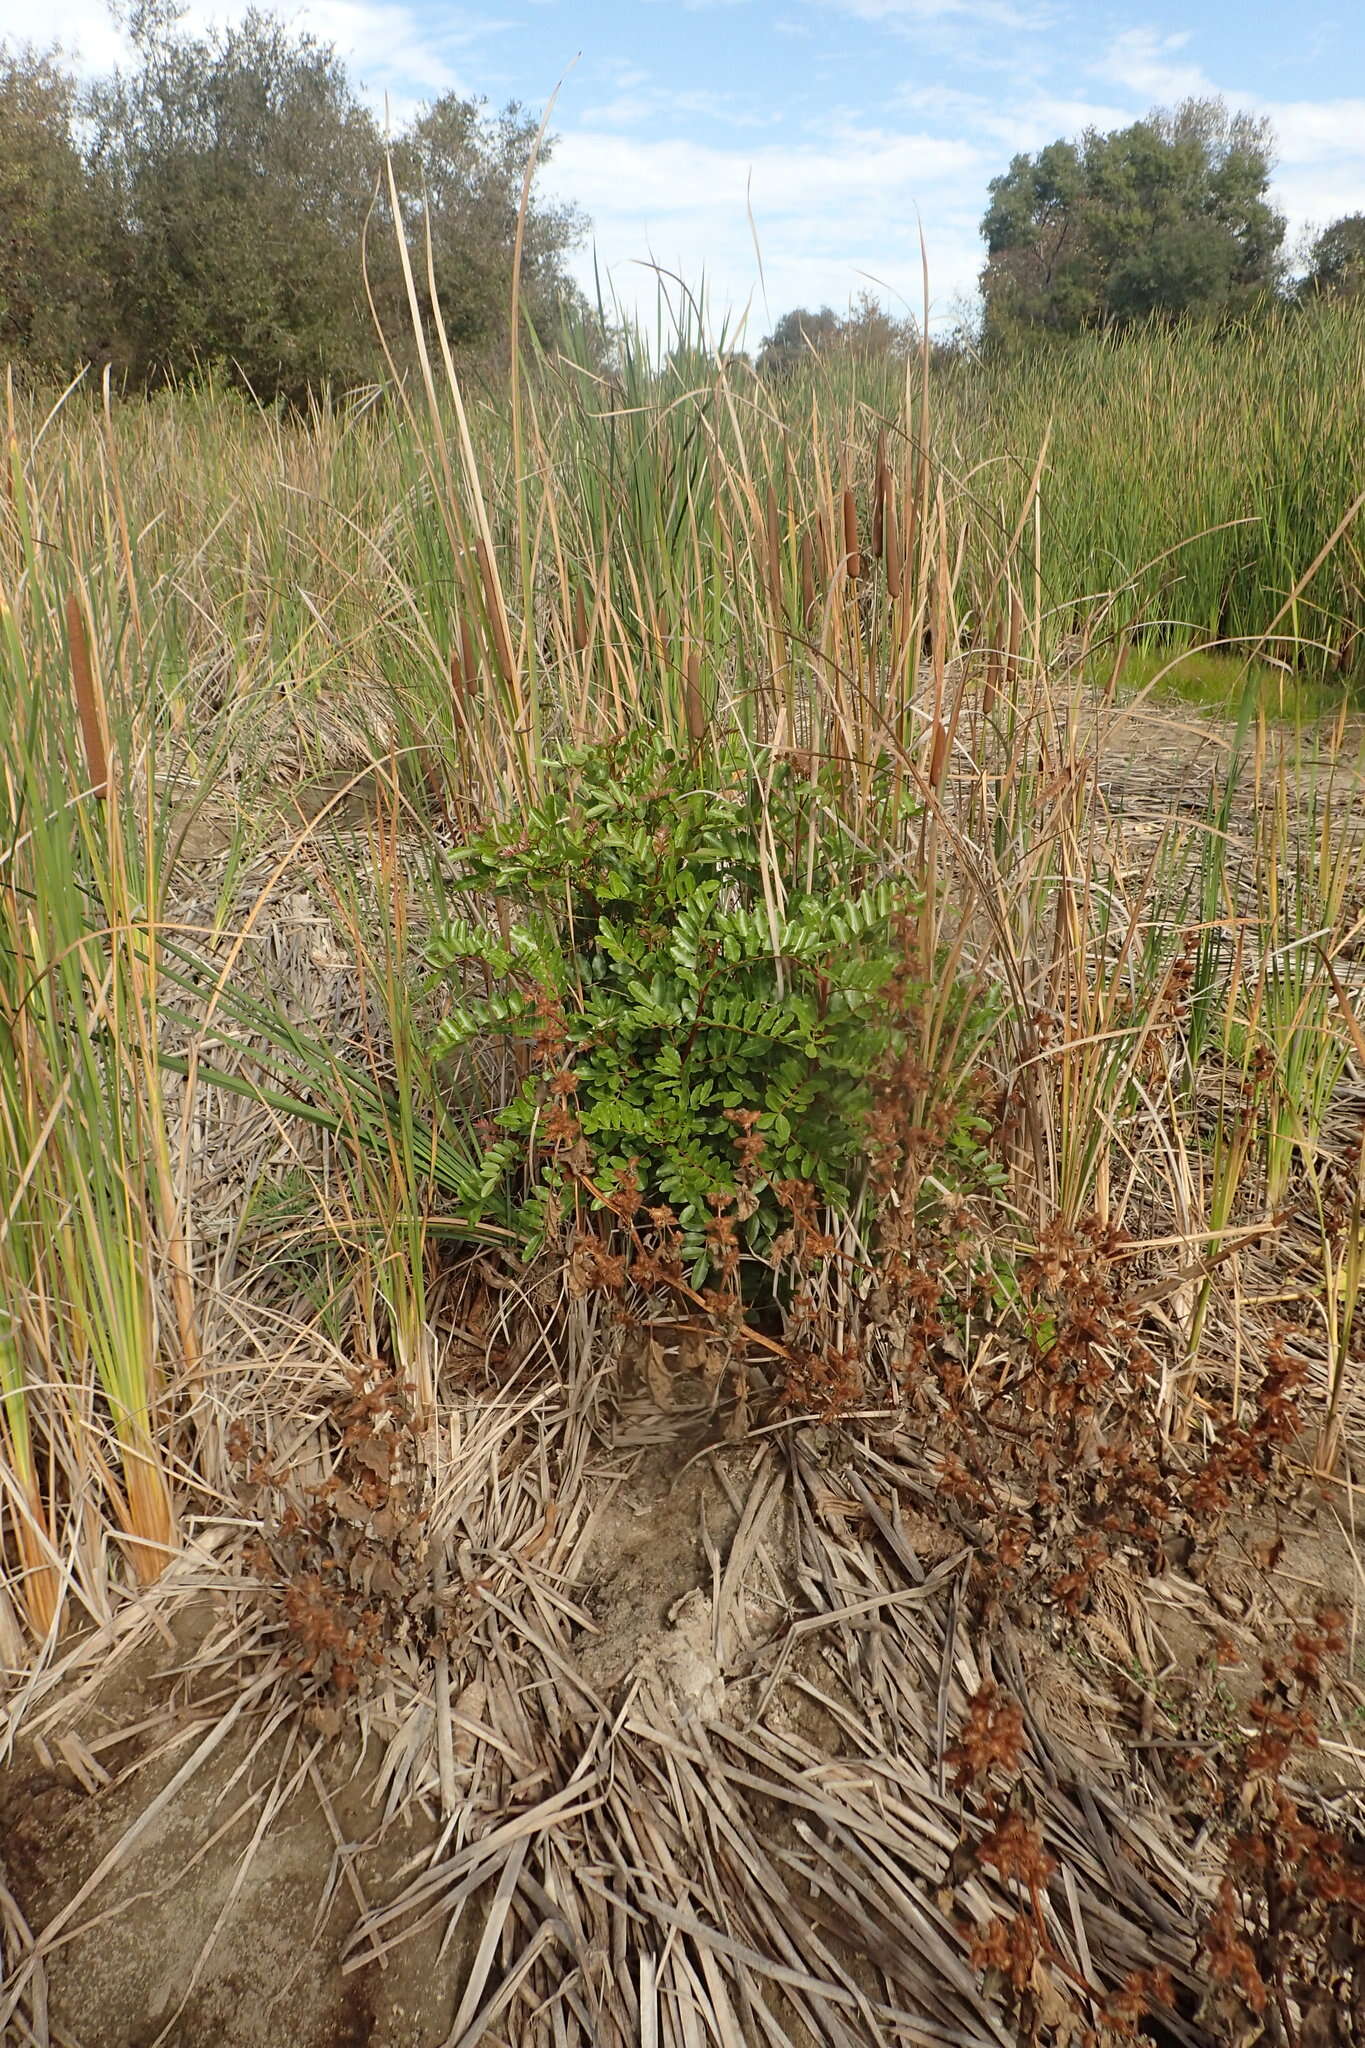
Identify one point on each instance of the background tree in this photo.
(206, 207)
(53, 287)
(866, 331)
(1336, 260)
(240, 166)
(1166, 217)
(462, 169)
(796, 336)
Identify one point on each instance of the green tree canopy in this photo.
(1336, 260)
(867, 330)
(240, 167)
(207, 207)
(53, 287)
(461, 171)
(1166, 217)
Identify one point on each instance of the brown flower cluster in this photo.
(1284, 1948)
(1043, 1997)
(344, 1564)
(1041, 1416)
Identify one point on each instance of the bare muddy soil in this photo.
(219, 1912)
(224, 1923)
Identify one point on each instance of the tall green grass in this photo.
(1194, 471)
(96, 1303)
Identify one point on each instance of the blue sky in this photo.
(843, 124)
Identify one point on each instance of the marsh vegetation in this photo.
(656, 924)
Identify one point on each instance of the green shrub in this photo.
(703, 963)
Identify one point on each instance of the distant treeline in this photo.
(1168, 219)
(223, 204)
(209, 206)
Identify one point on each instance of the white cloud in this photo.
(83, 29)
(623, 74)
(920, 14)
(677, 175)
(1318, 131)
(391, 49)
(1313, 202)
(651, 104)
(1026, 122)
(829, 215)
(1321, 169)
(386, 44)
(1146, 63)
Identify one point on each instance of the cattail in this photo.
(696, 715)
(938, 759)
(87, 699)
(772, 534)
(853, 561)
(807, 581)
(580, 622)
(822, 542)
(1016, 635)
(911, 522)
(879, 490)
(894, 558)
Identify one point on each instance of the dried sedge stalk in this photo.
(696, 716)
(445, 1745)
(895, 561)
(807, 581)
(39, 1583)
(772, 532)
(1016, 635)
(87, 699)
(991, 689)
(148, 1522)
(1121, 655)
(12, 437)
(502, 646)
(879, 487)
(463, 675)
(853, 560)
